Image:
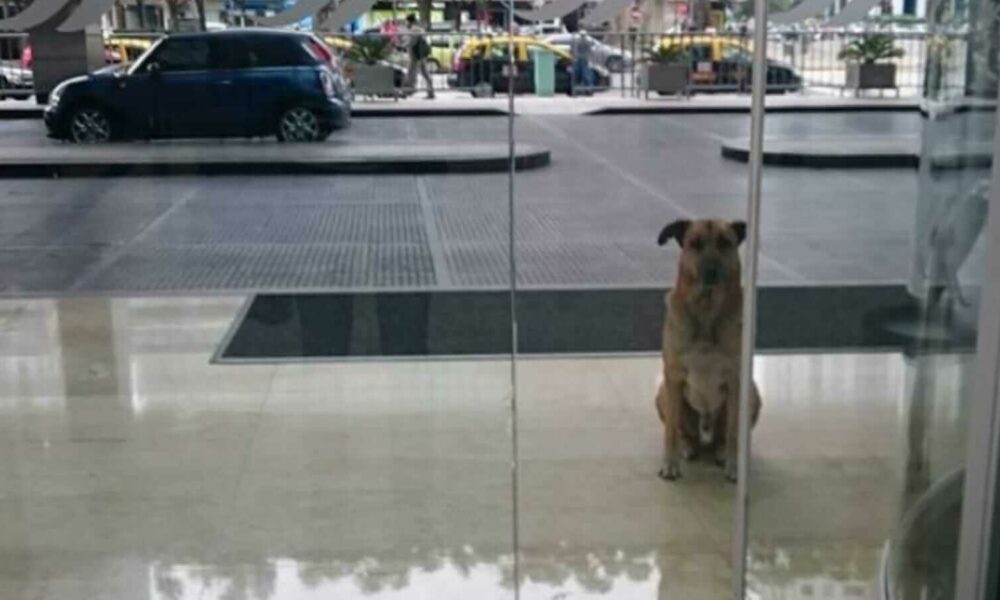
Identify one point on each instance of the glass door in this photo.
(876, 444)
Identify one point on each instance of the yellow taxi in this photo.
(126, 48)
(481, 65)
(722, 63)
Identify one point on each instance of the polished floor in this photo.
(132, 467)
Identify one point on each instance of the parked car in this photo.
(16, 82)
(613, 59)
(227, 83)
(443, 48)
(723, 63)
(551, 27)
(480, 66)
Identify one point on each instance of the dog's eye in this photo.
(723, 243)
(696, 244)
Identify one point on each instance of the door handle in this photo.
(226, 82)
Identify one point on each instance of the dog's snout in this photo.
(711, 273)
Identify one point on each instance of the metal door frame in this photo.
(749, 338)
(982, 458)
(975, 581)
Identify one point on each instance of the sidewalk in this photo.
(452, 103)
(622, 102)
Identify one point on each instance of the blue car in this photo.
(244, 83)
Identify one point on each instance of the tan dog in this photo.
(699, 392)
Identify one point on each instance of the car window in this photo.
(731, 53)
(183, 55)
(276, 51)
(533, 47)
(231, 53)
(700, 52)
(499, 51)
(475, 50)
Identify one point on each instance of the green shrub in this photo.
(667, 54)
(370, 49)
(870, 48)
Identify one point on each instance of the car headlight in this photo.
(328, 87)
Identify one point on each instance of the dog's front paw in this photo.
(670, 471)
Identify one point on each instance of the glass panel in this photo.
(856, 477)
(594, 518)
(246, 350)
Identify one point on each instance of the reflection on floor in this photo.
(130, 467)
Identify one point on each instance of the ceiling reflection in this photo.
(834, 572)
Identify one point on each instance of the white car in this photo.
(613, 59)
(16, 82)
(554, 26)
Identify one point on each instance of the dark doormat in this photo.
(279, 327)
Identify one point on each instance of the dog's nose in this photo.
(711, 274)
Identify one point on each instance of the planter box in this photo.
(373, 80)
(873, 76)
(665, 78)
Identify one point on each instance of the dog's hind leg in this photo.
(690, 444)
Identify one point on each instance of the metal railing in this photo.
(622, 62)
(478, 63)
(720, 61)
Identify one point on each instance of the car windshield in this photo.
(140, 63)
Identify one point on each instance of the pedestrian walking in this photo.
(418, 49)
(582, 74)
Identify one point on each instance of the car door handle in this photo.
(226, 82)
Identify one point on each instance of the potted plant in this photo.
(864, 71)
(368, 68)
(665, 70)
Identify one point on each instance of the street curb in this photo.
(525, 161)
(674, 110)
(367, 113)
(25, 114)
(872, 160)
(821, 160)
(20, 114)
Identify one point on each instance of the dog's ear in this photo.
(740, 229)
(675, 230)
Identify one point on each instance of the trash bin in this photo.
(545, 72)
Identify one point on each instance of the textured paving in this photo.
(588, 220)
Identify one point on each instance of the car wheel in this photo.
(615, 64)
(299, 124)
(89, 125)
